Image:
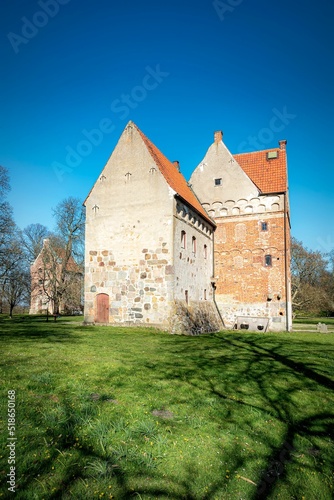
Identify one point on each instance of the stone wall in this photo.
(195, 318)
(193, 255)
(138, 293)
(129, 237)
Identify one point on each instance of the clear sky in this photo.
(259, 70)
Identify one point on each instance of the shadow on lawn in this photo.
(252, 365)
(75, 469)
(248, 366)
(25, 328)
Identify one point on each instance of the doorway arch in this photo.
(102, 308)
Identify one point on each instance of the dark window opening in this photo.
(186, 296)
(194, 245)
(218, 182)
(268, 260)
(264, 226)
(205, 251)
(183, 239)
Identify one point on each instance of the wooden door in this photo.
(102, 308)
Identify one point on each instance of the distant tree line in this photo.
(62, 263)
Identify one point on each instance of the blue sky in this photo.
(180, 71)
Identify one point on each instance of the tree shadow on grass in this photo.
(76, 462)
(248, 379)
(27, 328)
(277, 379)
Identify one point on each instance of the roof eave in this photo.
(207, 217)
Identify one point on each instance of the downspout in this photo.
(287, 306)
(213, 283)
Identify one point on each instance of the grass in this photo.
(135, 413)
(314, 321)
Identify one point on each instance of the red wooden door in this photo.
(102, 308)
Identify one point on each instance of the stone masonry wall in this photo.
(129, 235)
(139, 293)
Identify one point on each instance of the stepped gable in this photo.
(173, 177)
(269, 174)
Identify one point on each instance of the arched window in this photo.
(193, 245)
(183, 239)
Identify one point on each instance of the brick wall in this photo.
(250, 283)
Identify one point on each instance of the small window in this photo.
(205, 252)
(264, 226)
(183, 239)
(218, 182)
(205, 294)
(268, 260)
(186, 296)
(193, 245)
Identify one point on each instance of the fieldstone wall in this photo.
(138, 293)
(194, 319)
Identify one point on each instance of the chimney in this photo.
(218, 136)
(176, 165)
(282, 144)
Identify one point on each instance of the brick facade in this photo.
(252, 241)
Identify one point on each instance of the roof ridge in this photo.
(173, 177)
(258, 151)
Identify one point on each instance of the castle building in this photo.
(149, 244)
(189, 257)
(247, 197)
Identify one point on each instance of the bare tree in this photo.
(57, 278)
(70, 225)
(15, 288)
(309, 272)
(10, 250)
(4, 182)
(32, 238)
(57, 275)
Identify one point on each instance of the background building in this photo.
(56, 281)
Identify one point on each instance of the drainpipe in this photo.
(287, 295)
(213, 283)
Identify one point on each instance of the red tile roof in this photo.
(174, 178)
(270, 176)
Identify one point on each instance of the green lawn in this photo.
(120, 413)
(314, 321)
